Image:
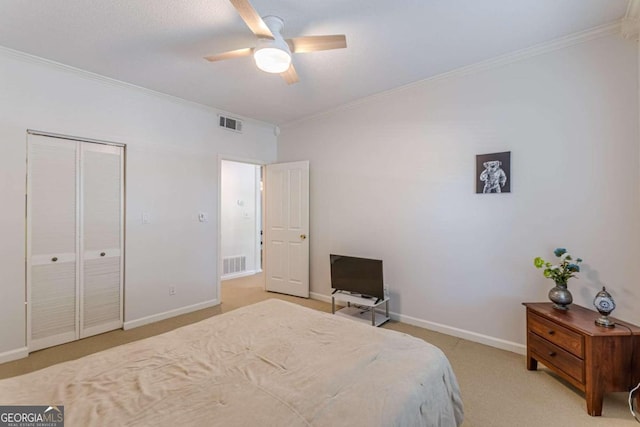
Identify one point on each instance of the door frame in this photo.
(231, 158)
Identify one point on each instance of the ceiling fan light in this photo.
(272, 59)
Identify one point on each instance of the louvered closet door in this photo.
(52, 246)
(101, 237)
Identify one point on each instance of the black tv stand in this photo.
(360, 308)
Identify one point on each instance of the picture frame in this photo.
(493, 173)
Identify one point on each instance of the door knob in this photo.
(303, 236)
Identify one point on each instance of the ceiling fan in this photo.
(273, 53)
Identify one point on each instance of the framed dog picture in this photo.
(493, 173)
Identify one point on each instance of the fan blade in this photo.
(314, 43)
(290, 76)
(252, 19)
(230, 55)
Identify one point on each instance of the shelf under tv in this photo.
(360, 308)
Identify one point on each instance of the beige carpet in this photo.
(496, 388)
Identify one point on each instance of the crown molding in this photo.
(88, 75)
(631, 21)
(496, 62)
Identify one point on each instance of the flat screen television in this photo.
(361, 276)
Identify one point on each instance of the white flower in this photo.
(564, 256)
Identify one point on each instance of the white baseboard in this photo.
(171, 313)
(237, 275)
(462, 333)
(448, 330)
(16, 354)
(320, 297)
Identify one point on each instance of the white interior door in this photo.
(52, 246)
(287, 228)
(101, 239)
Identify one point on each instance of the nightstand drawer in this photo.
(562, 337)
(555, 357)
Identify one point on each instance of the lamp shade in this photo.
(272, 59)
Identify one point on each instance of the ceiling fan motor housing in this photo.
(273, 56)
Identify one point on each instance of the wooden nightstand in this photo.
(594, 359)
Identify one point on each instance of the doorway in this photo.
(240, 219)
(281, 210)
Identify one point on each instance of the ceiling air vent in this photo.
(230, 124)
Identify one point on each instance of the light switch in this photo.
(203, 217)
(146, 218)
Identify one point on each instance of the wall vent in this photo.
(230, 123)
(234, 264)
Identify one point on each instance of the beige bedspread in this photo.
(273, 363)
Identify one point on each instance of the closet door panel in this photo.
(101, 295)
(53, 304)
(102, 176)
(102, 204)
(52, 247)
(52, 200)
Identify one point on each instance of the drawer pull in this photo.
(552, 353)
(102, 254)
(551, 332)
(54, 259)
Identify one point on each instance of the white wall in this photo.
(171, 173)
(239, 211)
(393, 176)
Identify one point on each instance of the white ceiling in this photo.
(159, 44)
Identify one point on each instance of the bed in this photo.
(273, 363)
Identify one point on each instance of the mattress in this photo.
(273, 363)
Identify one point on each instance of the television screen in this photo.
(357, 275)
